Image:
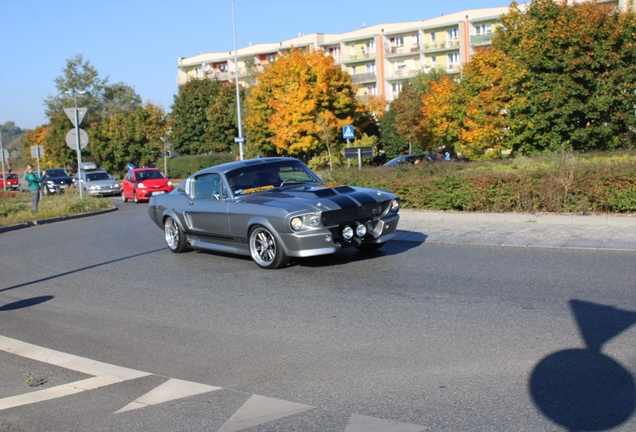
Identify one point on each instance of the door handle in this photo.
(191, 203)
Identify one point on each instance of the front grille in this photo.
(355, 214)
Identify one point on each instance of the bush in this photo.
(559, 183)
(184, 166)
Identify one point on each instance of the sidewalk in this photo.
(606, 232)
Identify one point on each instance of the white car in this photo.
(99, 183)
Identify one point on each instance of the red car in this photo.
(142, 183)
(11, 180)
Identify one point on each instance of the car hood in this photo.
(320, 198)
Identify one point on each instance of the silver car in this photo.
(272, 209)
(99, 183)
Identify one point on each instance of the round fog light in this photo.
(347, 233)
(361, 230)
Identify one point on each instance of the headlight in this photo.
(361, 230)
(50, 183)
(116, 185)
(169, 183)
(347, 233)
(93, 188)
(141, 185)
(395, 205)
(296, 223)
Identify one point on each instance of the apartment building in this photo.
(380, 58)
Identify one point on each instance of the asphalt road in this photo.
(418, 336)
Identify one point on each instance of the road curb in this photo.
(609, 219)
(52, 220)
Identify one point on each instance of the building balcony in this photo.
(485, 39)
(363, 77)
(359, 57)
(402, 50)
(441, 46)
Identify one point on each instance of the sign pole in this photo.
(4, 180)
(348, 160)
(79, 148)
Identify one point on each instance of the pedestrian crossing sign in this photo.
(347, 132)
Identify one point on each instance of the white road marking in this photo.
(170, 390)
(260, 409)
(256, 411)
(360, 423)
(59, 391)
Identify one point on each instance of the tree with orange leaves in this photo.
(299, 106)
(440, 117)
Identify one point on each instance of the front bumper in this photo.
(327, 240)
(146, 193)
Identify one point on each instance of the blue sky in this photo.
(138, 42)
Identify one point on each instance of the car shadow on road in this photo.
(405, 241)
(20, 304)
(79, 270)
(584, 389)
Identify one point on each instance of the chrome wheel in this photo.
(174, 236)
(264, 249)
(135, 197)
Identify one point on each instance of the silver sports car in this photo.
(272, 209)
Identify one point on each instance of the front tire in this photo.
(174, 236)
(135, 197)
(123, 197)
(265, 250)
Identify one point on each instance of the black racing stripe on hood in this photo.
(322, 193)
(363, 198)
(344, 201)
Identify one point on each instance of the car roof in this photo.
(226, 167)
(145, 169)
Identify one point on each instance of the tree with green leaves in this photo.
(134, 137)
(578, 89)
(199, 104)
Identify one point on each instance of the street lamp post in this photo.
(77, 137)
(238, 97)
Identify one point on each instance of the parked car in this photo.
(272, 209)
(11, 181)
(142, 183)
(98, 182)
(56, 180)
(410, 159)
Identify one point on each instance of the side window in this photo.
(208, 186)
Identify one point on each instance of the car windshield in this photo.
(11, 176)
(56, 173)
(98, 176)
(149, 174)
(256, 178)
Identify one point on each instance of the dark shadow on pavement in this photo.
(584, 389)
(20, 304)
(79, 270)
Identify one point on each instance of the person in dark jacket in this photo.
(34, 186)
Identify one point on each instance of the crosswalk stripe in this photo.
(170, 390)
(260, 409)
(58, 391)
(360, 423)
(67, 361)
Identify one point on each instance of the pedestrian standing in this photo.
(34, 186)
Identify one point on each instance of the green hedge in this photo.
(556, 184)
(183, 166)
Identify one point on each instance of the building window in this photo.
(353, 70)
(371, 89)
(397, 88)
(416, 39)
(271, 58)
(397, 41)
(433, 61)
(370, 67)
(371, 46)
(352, 49)
(452, 34)
(483, 29)
(453, 59)
(198, 71)
(432, 37)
